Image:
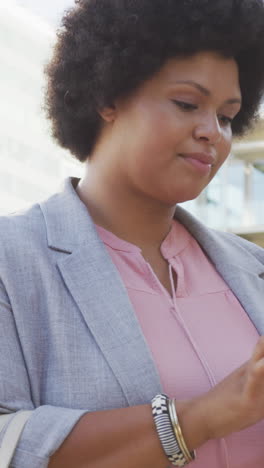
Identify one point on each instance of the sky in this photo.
(50, 10)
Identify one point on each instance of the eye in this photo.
(186, 106)
(225, 120)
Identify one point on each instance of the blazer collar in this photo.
(67, 220)
(69, 225)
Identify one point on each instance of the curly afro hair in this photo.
(106, 48)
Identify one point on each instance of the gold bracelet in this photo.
(177, 431)
(190, 456)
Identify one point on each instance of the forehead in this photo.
(217, 74)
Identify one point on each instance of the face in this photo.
(174, 132)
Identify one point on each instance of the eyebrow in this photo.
(206, 91)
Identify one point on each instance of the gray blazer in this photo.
(70, 341)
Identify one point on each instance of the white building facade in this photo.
(31, 165)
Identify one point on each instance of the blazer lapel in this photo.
(98, 291)
(101, 297)
(238, 267)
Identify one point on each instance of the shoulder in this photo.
(27, 223)
(219, 244)
(239, 244)
(21, 233)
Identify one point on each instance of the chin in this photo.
(181, 197)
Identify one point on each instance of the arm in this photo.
(117, 438)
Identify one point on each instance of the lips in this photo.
(201, 162)
(206, 158)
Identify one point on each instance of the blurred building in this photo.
(32, 166)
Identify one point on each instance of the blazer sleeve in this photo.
(48, 426)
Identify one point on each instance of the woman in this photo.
(110, 294)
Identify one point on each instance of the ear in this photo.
(108, 114)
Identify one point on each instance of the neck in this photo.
(129, 215)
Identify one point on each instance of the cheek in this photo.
(158, 127)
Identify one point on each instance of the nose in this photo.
(208, 129)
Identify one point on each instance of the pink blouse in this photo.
(197, 337)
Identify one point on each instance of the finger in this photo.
(258, 352)
(255, 380)
(259, 366)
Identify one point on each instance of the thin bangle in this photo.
(190, 456)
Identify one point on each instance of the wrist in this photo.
(192, 419)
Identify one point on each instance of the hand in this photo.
(234, 404)
(237, 402)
